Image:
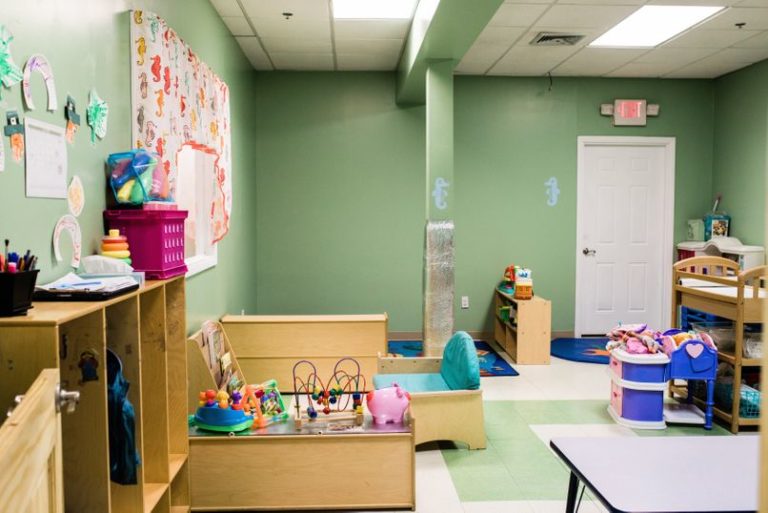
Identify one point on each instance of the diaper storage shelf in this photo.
(525, 334)
(146, 330)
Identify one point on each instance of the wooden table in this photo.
(314, 467)
(671, 474)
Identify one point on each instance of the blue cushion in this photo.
(412, 382)
(460, 367)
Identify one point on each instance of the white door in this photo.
(624, 232)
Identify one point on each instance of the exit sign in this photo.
(629, 112)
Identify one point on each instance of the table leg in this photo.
(573, 489)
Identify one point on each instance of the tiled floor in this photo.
(518, 472)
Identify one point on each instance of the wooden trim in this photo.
(299, 319)
(418, 365)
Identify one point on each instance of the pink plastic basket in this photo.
(156, 239)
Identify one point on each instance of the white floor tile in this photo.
(559, 507)
(435, 492)
(498, 507)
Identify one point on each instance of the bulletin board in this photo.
(176, 99)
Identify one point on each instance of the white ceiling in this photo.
(312, 40)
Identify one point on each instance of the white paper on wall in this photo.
(46, 160)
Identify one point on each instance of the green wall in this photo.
(339, 196)
(340, 186)
(86, 43)
(741, 133)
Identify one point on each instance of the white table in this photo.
(664, 474)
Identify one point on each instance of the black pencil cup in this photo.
(16, 291)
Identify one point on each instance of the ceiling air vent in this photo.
(556, 39)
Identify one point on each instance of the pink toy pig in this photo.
(387, 405)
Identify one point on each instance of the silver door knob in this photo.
(66, 400)
(588, 252)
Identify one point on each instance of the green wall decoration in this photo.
(87, 45)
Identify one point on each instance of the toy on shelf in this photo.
(507, 284)
(341, 397)
(523, 283)
(264, 401)
(215, 414)
(116, 246)
(136, 178)
(259, 405)
(517, 282)
(388, 405)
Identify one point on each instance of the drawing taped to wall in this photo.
(68, 223)
(177, 99)
(553, 191)
(10, 73)
(38, 63)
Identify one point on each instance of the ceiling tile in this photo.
(254, 52)
(718, 3)
(382, 46)
(267, 27)
(529, 1)
(506, 35)
(755, 19)
(750, 55)
(295, 44)
(303, 10)
(758, 41)
(643, 70)
(751, 3)
(302, 61)
(601, 2)
(596, 62)
(676, 57)
(367, 61)
(709, 67)
(227, 7)
(238, 25)
(481, 57)
(373, 29)
(585, 16)
(529, 61)
(517, 15)
(704, 38)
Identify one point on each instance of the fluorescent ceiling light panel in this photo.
(652, 25)
(374, 9)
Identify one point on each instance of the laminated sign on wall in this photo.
(176, 100)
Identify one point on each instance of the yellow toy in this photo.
(115, 245)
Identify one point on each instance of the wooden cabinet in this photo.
(147, 330)
(526, 335)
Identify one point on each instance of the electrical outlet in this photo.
(464, 302)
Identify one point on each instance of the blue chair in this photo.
(446, 399)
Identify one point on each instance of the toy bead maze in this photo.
(341, 397)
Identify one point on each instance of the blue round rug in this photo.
(588, 350)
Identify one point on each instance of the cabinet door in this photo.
(30, 451)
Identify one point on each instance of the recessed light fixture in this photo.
(652, 25)
(374, 9)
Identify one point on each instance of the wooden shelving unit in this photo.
(745, 306)
(147, 330)
(527, 335)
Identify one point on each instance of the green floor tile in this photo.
(564, 412)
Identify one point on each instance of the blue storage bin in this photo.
(643, 405)
(639, 368)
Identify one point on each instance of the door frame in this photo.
(668, 213)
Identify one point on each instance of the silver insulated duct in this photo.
(438, 286)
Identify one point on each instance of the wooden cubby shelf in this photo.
(526, 336)
(146, 329)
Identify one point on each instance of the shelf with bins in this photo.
(717, 286)
(146, 330)
(526, 335)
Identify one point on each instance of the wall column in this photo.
(439, 246)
